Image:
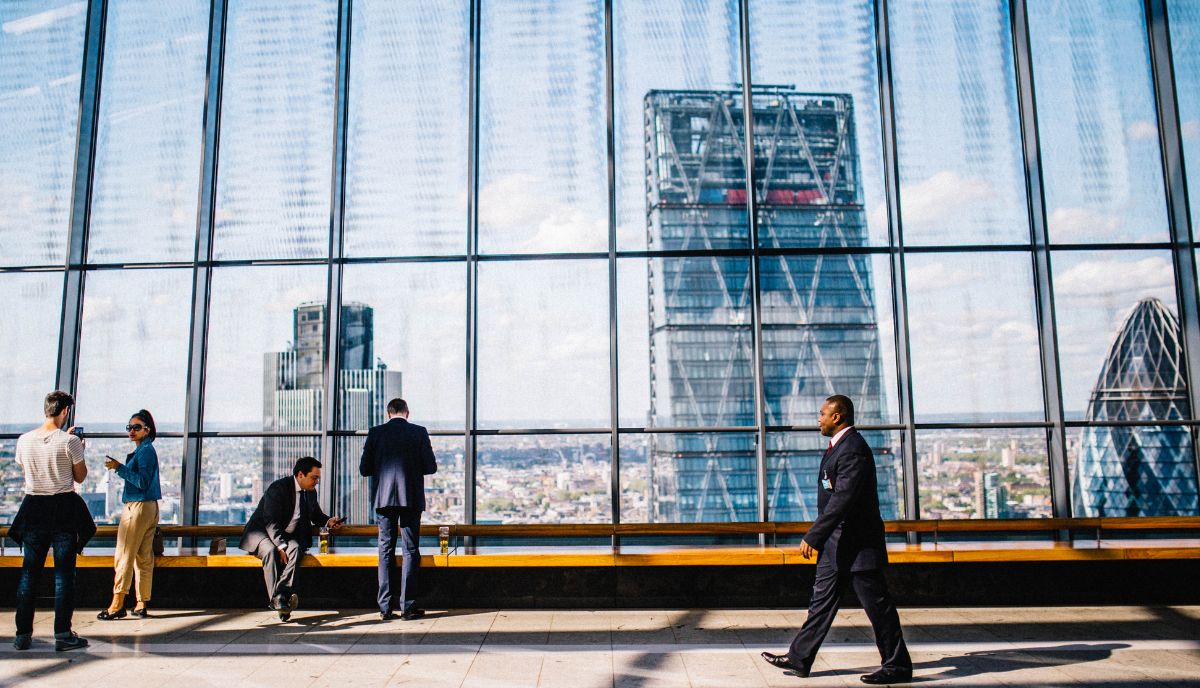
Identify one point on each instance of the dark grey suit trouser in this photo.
(280, 577)
(398, 596)
(871, 589)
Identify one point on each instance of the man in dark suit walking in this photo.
(397, 456)
(848, 539)
(281, 529)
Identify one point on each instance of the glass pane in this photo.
(443, 490)
(983, 473)
(825, 50)
(41, 54)
(686, 342)
(148, 145)
(133, 351)
(544, 479)
(276, 130)
(406, 187)
(1097, 122)
(1132, 471)
(662, 47)
(1120, 346)
(266, 357)
(543, 344)
(1184, 18)
(962, 174)
(827, 329)
(688, 478)
(974, 337)
(794, 464)
(103, 489)
(12, 480)
(542, 172)
(404, 334)
(31, 310)
(234, 471)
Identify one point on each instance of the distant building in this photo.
(1143, 470)
(293, 387)
(820, 329)
(995, 497)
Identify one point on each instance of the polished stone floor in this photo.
(1058, 646)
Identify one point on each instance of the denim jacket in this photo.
(141, 474)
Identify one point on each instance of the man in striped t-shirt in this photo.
(53, 462)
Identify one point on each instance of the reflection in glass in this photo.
(12, 479)
(41, 51)
(543, 479)
(983, 474)
(793, 472)
(1184, 16)
(666, 46)
(134, 348)
(232, 479)
(962, 177)
(1097, 121)
(443, 490)
(417, 330)
(974, 337)
(266, 356)
(834, 54)
(276, 130)
(406, 188)
(1120, 471)
(1096, 293)
(542, 179)
(103, 490)
(148, 144)
(31, 311)
(543, 344)
(688, 478)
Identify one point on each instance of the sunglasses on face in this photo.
(131, 428)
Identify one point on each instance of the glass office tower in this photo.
(1144, 470)
(818, 311)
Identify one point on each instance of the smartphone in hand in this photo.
(77, 431)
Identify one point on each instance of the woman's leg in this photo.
(147, 521)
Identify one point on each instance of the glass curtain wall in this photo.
(613, 253)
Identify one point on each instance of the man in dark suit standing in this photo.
(848, 539)
(397, 456)
(281, 529)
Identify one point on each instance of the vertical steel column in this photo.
(1042, 277)
(333, 296)
(613, 377)
(1178, 212)
(202, 274)
(760, 405)
(472, 264)
(71, 323)
(891, 178)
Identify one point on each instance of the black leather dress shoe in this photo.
(783, 662)
(413, 615)
(106, 615)
(887, 677)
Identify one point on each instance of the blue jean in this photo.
(402, 597)
(37, 543)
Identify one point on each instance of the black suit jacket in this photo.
(274, 513)
(397, 456)
(848, 531)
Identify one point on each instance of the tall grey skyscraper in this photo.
(820, 332)
(1145, 470)
(293, 386)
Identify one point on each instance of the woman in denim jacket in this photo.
(135, 534)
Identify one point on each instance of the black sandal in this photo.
(104, 614)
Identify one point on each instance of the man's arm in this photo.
(428, 460)
(850, 480)
(75, 451)
(366, 465)
(274, 520)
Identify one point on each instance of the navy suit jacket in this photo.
(397, 456)
(274, 513)
(848, 531)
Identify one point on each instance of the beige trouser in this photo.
(135, 548)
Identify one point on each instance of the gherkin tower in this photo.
(1144, 470)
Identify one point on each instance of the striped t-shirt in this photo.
(47, 457)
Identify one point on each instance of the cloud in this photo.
(942, 195)
(936, 276)
(1070, 224)
(524, 214)
(1142, 130)
(1191, 129)
(1100, 279)
(41, 20)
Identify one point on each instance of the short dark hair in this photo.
(56, 401)
(144, 416)
(397, 406)
(842, 405)
(304, 466)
